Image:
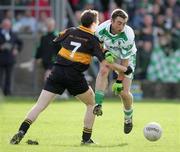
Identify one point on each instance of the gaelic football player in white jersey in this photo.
(118, 41)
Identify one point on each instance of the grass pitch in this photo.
(59, 127)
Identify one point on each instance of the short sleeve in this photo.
(97, 49)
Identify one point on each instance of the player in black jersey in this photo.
(78, 45)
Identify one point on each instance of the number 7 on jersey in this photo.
(77, 45)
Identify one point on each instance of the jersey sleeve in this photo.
(62, 35)
(130, 47)
(100, 31)
(98, 49)
(98, 35)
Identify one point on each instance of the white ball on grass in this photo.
(152, 131)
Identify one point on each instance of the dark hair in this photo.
(119, 13)
(88, 17)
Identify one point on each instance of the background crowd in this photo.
(156, 24)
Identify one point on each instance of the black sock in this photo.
(86, 134)
(25, 126)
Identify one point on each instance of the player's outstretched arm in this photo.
(119, 68)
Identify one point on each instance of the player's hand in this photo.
(128, 71)
(117, 87)
(98, 110)
(110, 57)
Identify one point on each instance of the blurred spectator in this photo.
(158, 28)
(46, 51)
(155, 12)
(146, 31)
(174, 6)
(176, 35)
(161, 4)
(168, 19)
(105, 8)
(146, 5)
(76, 5)
(164, 64)
(25, 23)
(8, 14)
(143, 60)
(137, 20)
(41, 24)
(10, 45)
(109, 5)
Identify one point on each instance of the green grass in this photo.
(58, 129)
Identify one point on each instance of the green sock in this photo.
(99, 96)
(128, 113)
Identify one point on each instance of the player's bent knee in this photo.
(87, 97)
(125, 94)
(90, 103)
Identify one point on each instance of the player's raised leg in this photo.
(43, 101)
(127, 99)
(88, 99)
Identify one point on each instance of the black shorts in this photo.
(68, 78)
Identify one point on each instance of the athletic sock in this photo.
(25, 126)
(128, 113)
(86, 134)
(99, 96)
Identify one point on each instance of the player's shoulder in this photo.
(129, 32)
(95, 39)
(103, 25)
(72, 28)
(67, 30)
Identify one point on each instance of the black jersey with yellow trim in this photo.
(78, 46)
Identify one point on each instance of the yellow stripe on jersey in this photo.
(85, 29)
(76, 57)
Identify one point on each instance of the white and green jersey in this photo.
(122, 45)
